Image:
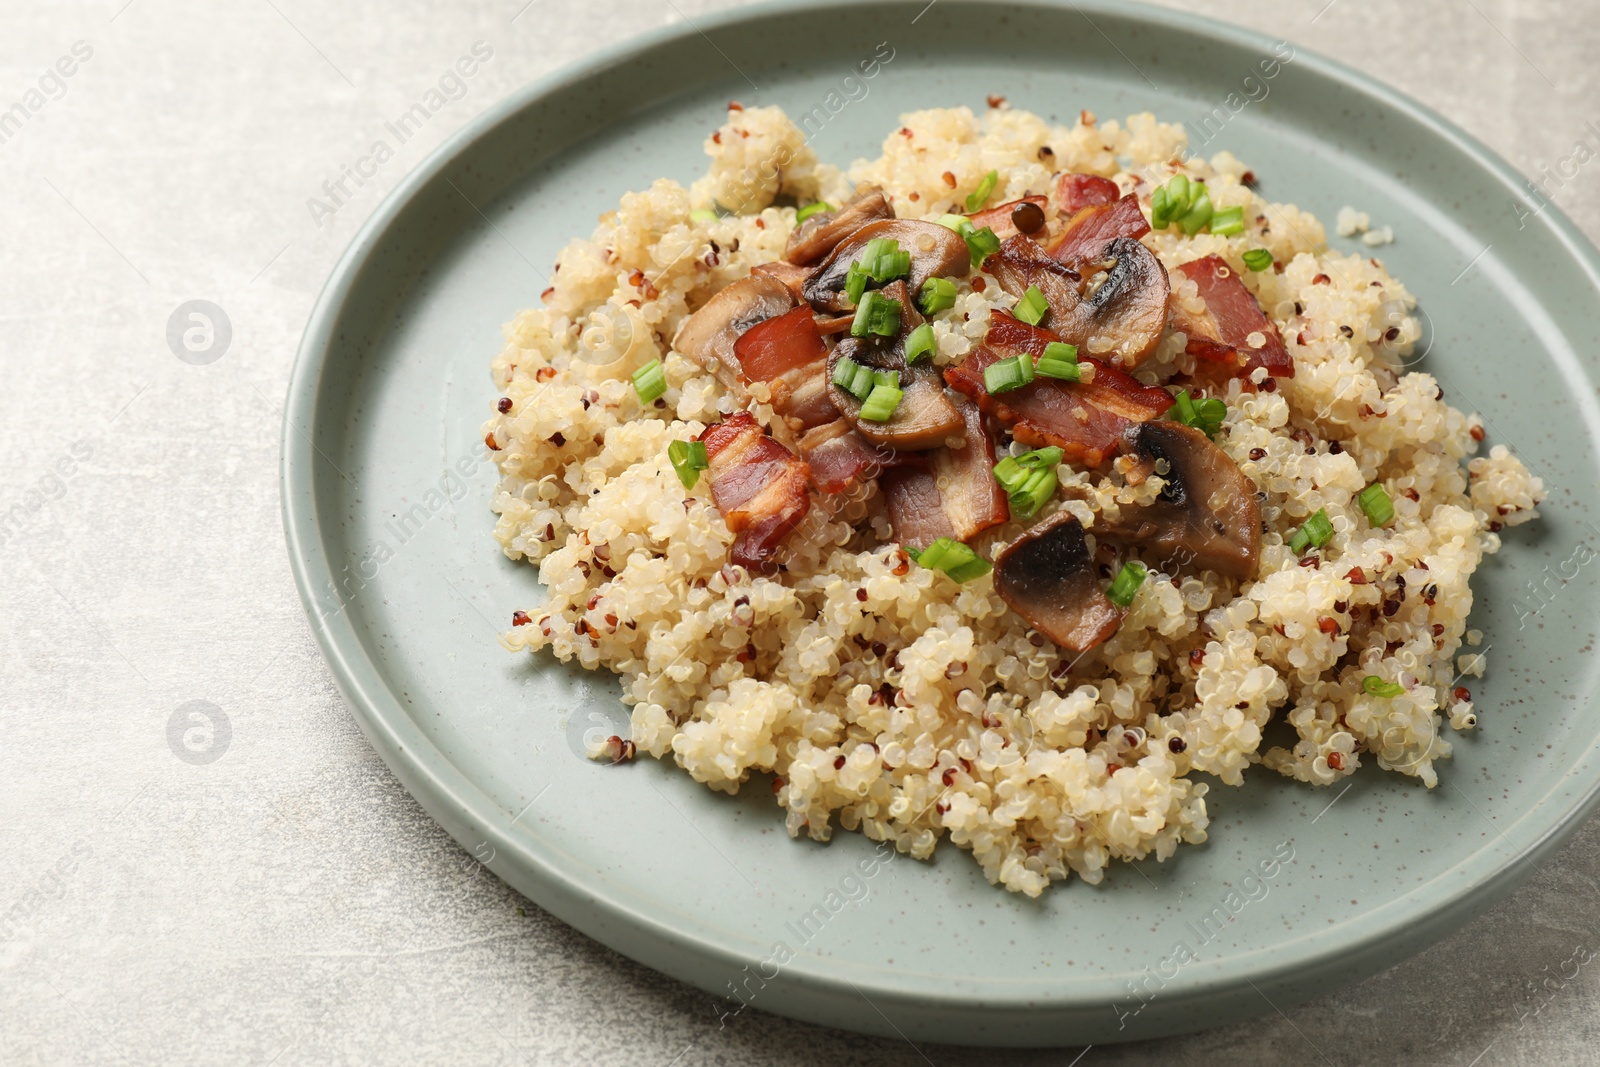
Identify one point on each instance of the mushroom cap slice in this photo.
(822, 232)
(708, 335)
(1129, 308)
(925, 417)
(936, 252)
(1208, 512)
(1049, 578)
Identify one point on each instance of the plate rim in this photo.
(460, 804)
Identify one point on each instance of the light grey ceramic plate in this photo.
(386, 508)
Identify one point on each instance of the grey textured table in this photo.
(286, 902)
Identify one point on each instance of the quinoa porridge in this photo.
(990, 489)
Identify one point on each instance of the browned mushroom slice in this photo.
(924, 418)
(787, 273)
(1049, 578)
(1208, 512)
(818, 235)
(708, 335)
(936, 252)
(1128, 309)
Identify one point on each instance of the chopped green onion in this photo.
(953, 558)
(856, 281)
(954, 222)
(811, 209)
(985, 188)
(921, 343)
(1374, 500)
(883, 261)
(704, 215)
(1060, 350)
(938, 294)
(1179, 194)
(880, 403)
(1058, 369)
(1380, 688)
(876, 314)
(1127, 583)
(981, 243)
(1160, 208)
(688, 459)
(649, 381)
(1199, 213)
(1256, 258)
(1007, 374)
(1204, 415)
(1033, 307)
(891, 378)
(1316, 532)
(1228, 221)
(853, 378)
(1029, 479)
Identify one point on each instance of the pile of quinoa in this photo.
(882, 697)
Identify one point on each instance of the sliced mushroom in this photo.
(1128, 309)
(708, 335)
(936, 252)
(925, 417)
(787, 273)
(1207, 514)
(1049, 578)
(818, 235)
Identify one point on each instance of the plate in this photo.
(386, 493)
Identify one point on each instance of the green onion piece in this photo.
(811, 209)
(704, 215)
(954, 558)
(957, 223)
(1380, 688)
(938, 294)
(688, 459)
(880, 403)
(1047, 458)
(1160, 208)
(1060, 350)
(1033, 307)
(844, 372)
(1228, 221)
(1183, 410)
(1127, 583)
(985, 188)
(1196, 218)
(981, 243)
(891, 378)
(855, 283)
(1058, 369)
(1374, 500)
(1007, 374)
(1180, 196)
(649, 381)
(1010, 473)
(921, 343)
(861, 385)
(876, 314)
(1029, 480)
(1256, 258)
(1204, 415)
(1315, 532)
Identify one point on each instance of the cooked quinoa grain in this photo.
(886, 698)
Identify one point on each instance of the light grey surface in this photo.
(287, 902)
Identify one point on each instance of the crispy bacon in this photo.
(1221, 333)
(759, 487)
(998, 218)
(947, 492)
(1085, 419)
(1074, 192)
(840, 458)
(788, 354)
(1092, 228)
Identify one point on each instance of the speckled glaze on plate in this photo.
(386, 490)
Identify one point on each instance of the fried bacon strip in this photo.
(787, 352)
(1093, 227)
(840, 458)
(946, 492)
(1074, 192)
(1085, 419)
(759, 487)
(1221, 333)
